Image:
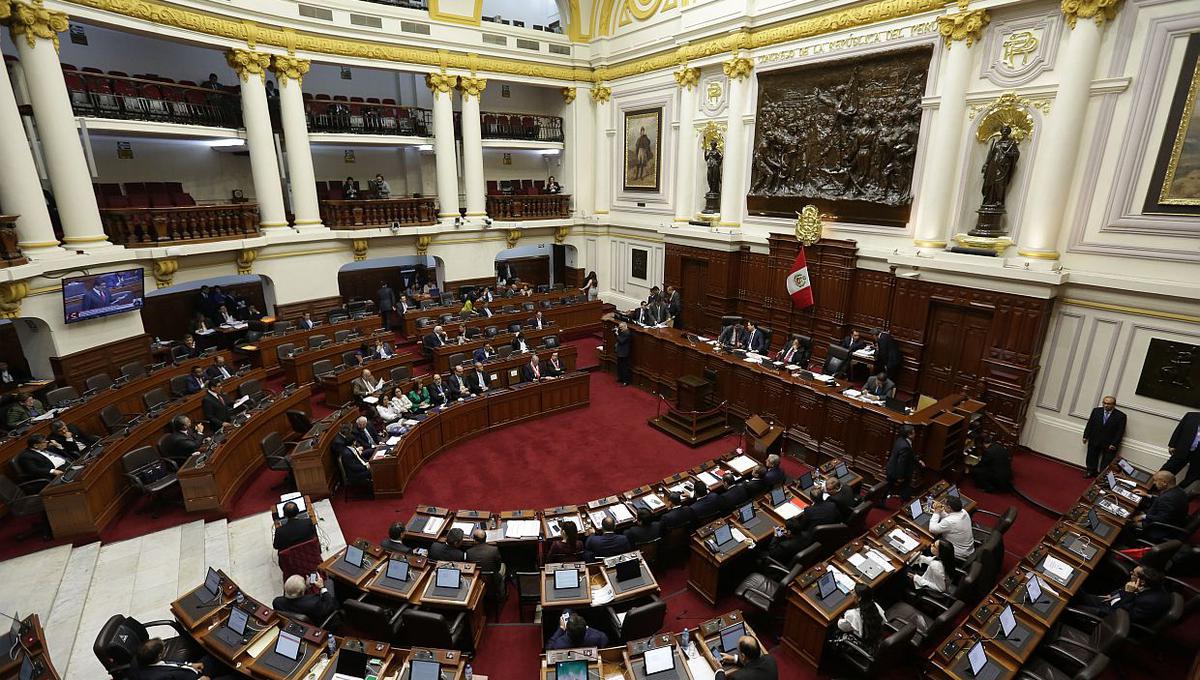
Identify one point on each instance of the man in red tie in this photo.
(532, 372)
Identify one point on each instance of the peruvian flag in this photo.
(799, 286)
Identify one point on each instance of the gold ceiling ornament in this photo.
(32, 20)
(512, 237)
(289, 68)
(808, 225)
(601, 94)
(248, 62)
(560, 234)
(5, 10)
(965, 26)
(164, 271)
(687, 78)
(441, 82)
(359, 246)
(472, 86)
(245, 260)
(1008, 109)
(569, 94)
(738, 68)
(713, 131)
(1100, 10)
(423, 243)
(11, 294)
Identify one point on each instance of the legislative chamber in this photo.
(599, 340)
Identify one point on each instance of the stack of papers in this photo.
(602, 595)
(556, 524)
(465, 527)
(866, 352)
(206, 331)
(844, 582)
(652, 501)
(392, 441)
(852, 393)
(434, 526)
(906, 542)
(597, 516)
(788, 510)
(371, 400)
(241, 401)
(620, 512)
(707, 479)
(822, 377)
(699, 668)
(743, 464)
(522, 528)
(881, 559)
(1060, 570)
(681, 488)
(380, 453)
(737, 535)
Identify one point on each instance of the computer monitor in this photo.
(1008, 621)
(354, 555)
(954, 492)
(212, 584)
(1125, 466)
(1093, 520)
(730, 636)
(351, 663)
(778, 496)
(1033, 588)
(299, 505)
(14, 631)
(288, 645)
(806, 481)
(237, 620)
(571, 670)
(746, 513)
(448, 577)
(629, 569)
(915, 509)
(977, 658)
(841, 470)
(826, 585)
(723, 534)
(423, 669)
(397, 570)
(659, 660)
(566, 579)
(1111, 479)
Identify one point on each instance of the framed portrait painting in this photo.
(1175, 184)
(643, 150)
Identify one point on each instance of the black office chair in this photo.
(935, 604)
(282, 326)
(650, 551)
(285, 350)
(529, 591)
(1000, 522)
(366, 487)
(832, 535)
(150, 474)
(528, 306)
(837, 360)
(315, 341)
(179, 385)
(514, 328)
(322, 368)
(253, 388)
(299, 421)
(1039, 668)
(180, 354)
(446, 318)
(401, 373)
(763, 590)
(902, 613)
(490, 331)
(1078, 637)
(155, 399)
(550, 341)
(729, 320)
(98, 382)
(342, 335)
(890, 653)
(117, 643)
(276, 451)
(21, 503)
(504, 351)
(473, 332)
(1152, 634)
(373, 621)
(61, 395)
(857, 518)
(457, 358)
(640, 621)
(133, 369)
(510, 309)
(113, 419)
(433, 630)
(428, 304)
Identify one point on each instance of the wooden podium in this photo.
(692, 392)
(762, 436)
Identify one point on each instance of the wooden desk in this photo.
(408, 320)
(32, 647)
(297, 368)
(949, 661)
(708, 635)
(705, 567)
(533, 339)
(468, 597)
(1025, 637)
(262, 353)
(635, 664)
(337, 568)
(572, 598)
(336, 385)
(450, 660)
(212, 485)
(599, 664)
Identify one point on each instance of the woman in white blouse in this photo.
(395, 406)
(862, 625)
(938, 567)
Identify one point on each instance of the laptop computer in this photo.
(916, 510)
(571, 670)
(870, 568)
(981, 668)
(1033, 590)
(730, 636)
(566, 579)
(842, 471)
(424, 669)
(234, 630)
(351, 665)
(659, 660)
(212, 586)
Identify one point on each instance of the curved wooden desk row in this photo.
(87, 497)
(336, 385)
(815, 415)
(297, 368)
(408, 323)
(263, 355)
(1072, 532)
(316, 471)
(579, 318)
(252, 656)
(29, 649)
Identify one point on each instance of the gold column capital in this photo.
(423, 243)
(245, 260)
(561, 233)
(472, 86)
(569, 94)
(164, 271)
(246, 63)
(289, 68)
(11, 294)
(965, 26)
(440, 82)
(33, 21)
(738, 68)
(601, 94)
(512, 237)
(1099, 10)
(687, 78)
(359, 246)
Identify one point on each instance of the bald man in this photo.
(1102, 435)
(749, 662)
(1168, 505)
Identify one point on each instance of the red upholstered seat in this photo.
(302, 558)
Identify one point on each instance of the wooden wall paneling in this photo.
(870, 303)
(875, 437)
(776, 400)
(534, 270)
(168, 316)
(838, 432)
(319, 308)
(573, 277)
(361, 284)
(75, 369)
(754, 284)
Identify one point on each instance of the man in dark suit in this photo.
(679, 515)
(605, 543)
(750, 661)
(98, 296)
(1143, 596)
(554, 366)
(350, 454)
(219, 370)
(734, 496)
(519, 344)
(1102, 435)
(853, 342)
(538, 322)
(478, 380)
(643, 315)
(486, 555)
(645, 530)
(150, 664)
(887, 353)
(294, 529)
(297, 600)
(674, 306)
(1184, 449)
(195, 381)
(183, 440)
(902, 464)
(10, 376)
(394, 543)
(485, 353)
(775, 476)
(756, 340)
(458, 384)
(732, 337)
(306, 323)
(573, 632)
(435, 339)
(1168, 505)
(706, 505)
(880, 386)
(438, 394)
(841, 495)
(624, 342)
(364, 435)
(385, 297)
(451, 550)
(532, 371)
(215, 406)
(38, 462)
(800, 531)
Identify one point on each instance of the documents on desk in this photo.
(392, 441)
(241, 401)
(434, 526)
(790, 509)
(620, 512)
(555, 524)
(865, 353)
(602, 595)
(739, 536)
(465, 527)
(370, 400)
(522, 528)
(743, 464)
(699, 668)
(1060, 570)
(683, 489)
(597, 516)
(652, 501)
(205, 331)
(844, 582)
(905, 542)
(708, 479)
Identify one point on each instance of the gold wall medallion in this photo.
(359, 246)
(11, 294)
(713, 131)
(423, 242)
(512, 237)
(808, 225)
(1008, 109)
(245, 260)
(164, 271)
(1019, 44)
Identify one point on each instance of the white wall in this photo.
(526, 164)
(540, 12)
(110, 50)
(208, 175)
(329, 164)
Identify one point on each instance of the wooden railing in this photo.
(367, 118)
(10, 252)
(105, 95)
(535, 207)
(135, 227)
(379, 212)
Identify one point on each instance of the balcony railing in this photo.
(521, 126)
(366, 117)
(116, 95)
(544, 207)
(378, 212)
(139, 227)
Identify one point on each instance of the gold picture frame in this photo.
(1175, 184)
(642, 146)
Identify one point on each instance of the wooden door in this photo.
(693, 289)
(956, 341)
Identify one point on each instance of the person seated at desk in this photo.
(436, 339)
(219, 370)
(365, 385)
(862, 625)
(199, 325)
(451, 550)
(294, 528)
(792, 354)
(774, 476)
(756, 340)
(705, 504)
(485, 353)
(468, 309)
(23, 409)
(734, 496)
(350, 453)
(68, 439)
(538, 322)
(461, 338)
(196, 381)
(383, 350)
(1168, 505)
(554, 367)
(568, 548)
(519, 344)
(306, 323)
(364, 435)
(38, 462)
(749, 661)
(532, 371)
(183, 440)
(297, 599)
(951, 522)
(879, 386)
(643, 315)
(680, 514)
(732, 337)
(485, 311)
(841, 495)
(645, 530)
(853, 342)
(939, 566)
(189, 350)
(419, 395)
(438, 394)
(458, 384)
(1143, 596)
(394, 543)
(251, 313)
(486, 555)
(215, 406)
(478, 381)
(606, 543)
(574, 632)
(150, 664)
(11, 377)
(225, 318)
(799, 532)
(394, 406)
(993, 472)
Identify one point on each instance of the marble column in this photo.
(20, 190)
(579, 166)
(685, 163)
(35, 31)
(934, 219)
(472, 145)
(442, 85)
(601, 96)
(1058, 149)
(251, 68)
(289, 71)
(733, 166)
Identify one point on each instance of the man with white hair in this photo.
(775, 476)
(298, 599)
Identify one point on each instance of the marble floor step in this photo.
(111, 591)
(30, 582)
(192, 565)
(328, 529)
(62, 626)
(216, 544)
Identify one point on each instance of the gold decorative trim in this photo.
(964, 26)
(687, 78)
(5, 10)
(34, 21)
(38, 244)
(1038, 254)
(476, 18)
(359, 246)
(471, 86)
(512, 237)
(561, 233)
(601, 94)
(423, 243)
(11, 294)
(248, 63)
(482, 213)
(289, 68)
(299, 253)
(1187, 120)
(999, 245)
(738, 68)
(729, 224)
(272, 225)
(164, 271)
(1100, 10)
(1008, 109)
(569, 94)
(307, 223)
(85, 239)
(713, 131)
(922, 243)
(441, 82)
(245, 260)
(599, 212)
(1140, 311)
(808, 225)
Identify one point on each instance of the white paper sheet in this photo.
(1057, 568)
(620, 512)
(788, 510)
(433, 525)
(707, 478)
(743, 464)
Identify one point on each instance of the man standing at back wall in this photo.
(1102, 435)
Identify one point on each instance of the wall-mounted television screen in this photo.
(96, 295)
